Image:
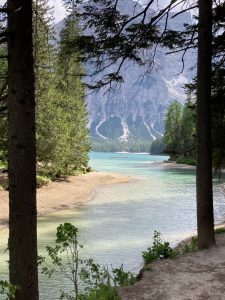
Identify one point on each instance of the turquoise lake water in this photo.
(120, 220)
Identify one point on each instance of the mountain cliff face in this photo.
(135, 110)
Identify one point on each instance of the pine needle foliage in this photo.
(62, 135)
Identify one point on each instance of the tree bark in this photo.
(22, 157)
(205, 216)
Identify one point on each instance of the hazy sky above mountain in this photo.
(60, 10)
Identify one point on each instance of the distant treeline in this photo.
(115, 145)
(157, 146)
(178, 140)
(179, 137)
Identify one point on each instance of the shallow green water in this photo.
(120, 220)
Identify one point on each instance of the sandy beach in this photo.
(65, 194)
(174, 165)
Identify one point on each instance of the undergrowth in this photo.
(190, 246)
(8, 290)
(42, 180)
(220, 230)
(89, 280)
(158, 250)
(186, 160)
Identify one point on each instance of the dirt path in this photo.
(194, 276)
(65, 194)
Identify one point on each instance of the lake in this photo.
(118, 224)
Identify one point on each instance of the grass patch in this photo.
(220, 230)
(190, 246)
(42, 180)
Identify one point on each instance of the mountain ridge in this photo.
(136, 109)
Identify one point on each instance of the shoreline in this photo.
(193, 275)
(174, 165)
(65, 194)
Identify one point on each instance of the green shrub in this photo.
(3, 164)
(186, 160)
(103, 293)
(8, 290)
(54, 172)
(89, 281)
(42, 180)
(159, 250)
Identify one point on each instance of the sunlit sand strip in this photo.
(65, 194)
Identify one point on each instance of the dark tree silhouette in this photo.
(205, 219)
(22, 159)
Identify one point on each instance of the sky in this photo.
(58, 7)
(60, 10)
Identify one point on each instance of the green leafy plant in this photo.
(88, 279)
(42, 180)
(3, 163)
(159, 250)
(186, 160)
(8, 290)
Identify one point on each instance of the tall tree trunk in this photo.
(205, 218)
(22, 157)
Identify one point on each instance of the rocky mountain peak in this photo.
(135, 110)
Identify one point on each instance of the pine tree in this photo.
(44, 49)
(44, 57)
(70, 69)
(173, 128)
(63, 144)
(187, 130)
(157, 146)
